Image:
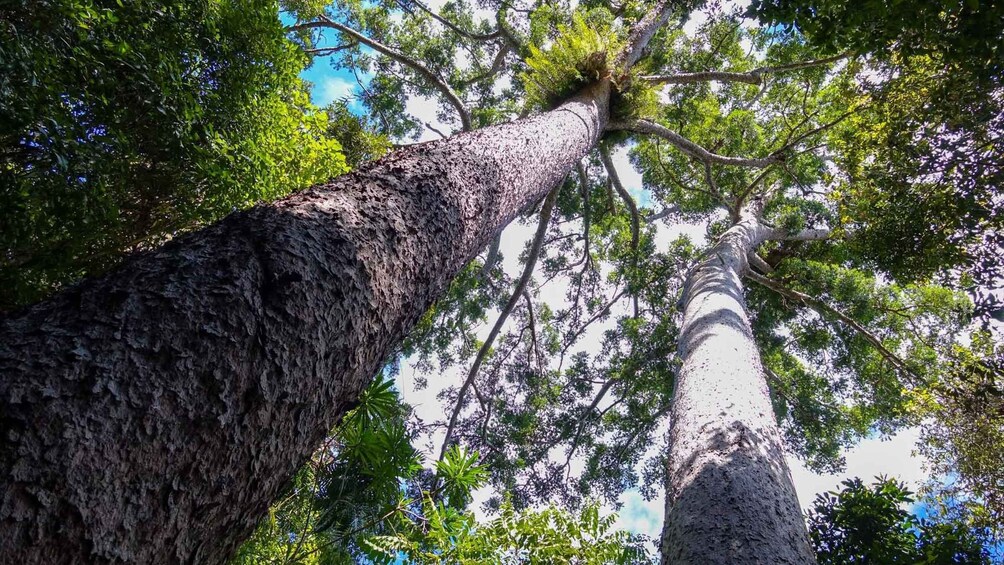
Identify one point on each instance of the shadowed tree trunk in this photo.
(729, 496)
(152, 415)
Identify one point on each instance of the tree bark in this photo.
(152, 415)
(729, 496)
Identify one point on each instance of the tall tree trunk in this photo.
(152, 415)
(729, 496)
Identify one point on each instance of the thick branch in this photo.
(761, 265)
(524, 280)
(492, 257)
(827, 310)
(642, 32)
(436, 82)
(691, 148)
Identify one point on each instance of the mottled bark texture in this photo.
(152, 415)
(729, 498)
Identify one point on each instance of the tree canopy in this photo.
(861, 141)
(873, 140)
(123, 124)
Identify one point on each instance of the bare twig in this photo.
(524, 280)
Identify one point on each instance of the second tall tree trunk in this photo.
(729, 499)
(152, 415)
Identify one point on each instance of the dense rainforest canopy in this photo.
(859, 142)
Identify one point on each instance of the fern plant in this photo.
(581, 53)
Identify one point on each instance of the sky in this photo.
(892, 457)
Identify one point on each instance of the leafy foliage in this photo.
(365, 496)
(580, 54)
(872, 524)
(965, 33)
(122, 124)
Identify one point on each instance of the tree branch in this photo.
(642, 32)
(632, 208)
(761, 265)
(752, 77)
(323, 51)
(524, 280)
(492, 257)
(827, 310)
(584, 187)
(705, 76)
(582, 422)
(691, 148)
(624, 194)
(816, 234)
(438, 83)
(497, 65)
(454, 27)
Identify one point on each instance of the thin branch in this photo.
(524, 280)
(324, 51)
(584, 189)
(582, 422)
(578, 332)
(535, 347)
(827, 310)
(632, 208)
(638, 430)
(691, 148)
(802, 64)
(820, 129)
(454, 27)
(705, 76)
(752, 77)
(438, 83)
(624, 194)
(434, 130)
(497, 65)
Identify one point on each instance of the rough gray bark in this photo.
(729, 496)
(150, 416)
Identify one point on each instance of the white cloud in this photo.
(424, 109)
(333, 88)
(641, 516)
(893, 457)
